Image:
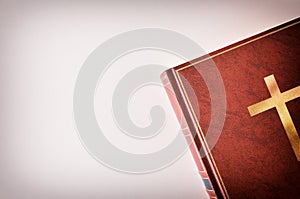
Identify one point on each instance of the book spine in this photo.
(176, 99)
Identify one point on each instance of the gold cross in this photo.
(278, 101)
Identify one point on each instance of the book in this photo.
(239, 109)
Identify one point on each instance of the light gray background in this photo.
(44, 43)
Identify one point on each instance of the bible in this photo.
(239, 109)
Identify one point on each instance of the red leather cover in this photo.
(256, 153)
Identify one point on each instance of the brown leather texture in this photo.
(253, 154)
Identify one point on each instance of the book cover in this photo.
(239, 109)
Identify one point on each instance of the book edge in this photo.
(237, 44)
(208, 160)
(187, 128)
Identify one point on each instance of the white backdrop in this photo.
(44, 44)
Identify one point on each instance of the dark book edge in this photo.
(237, 44)
(191, 133)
